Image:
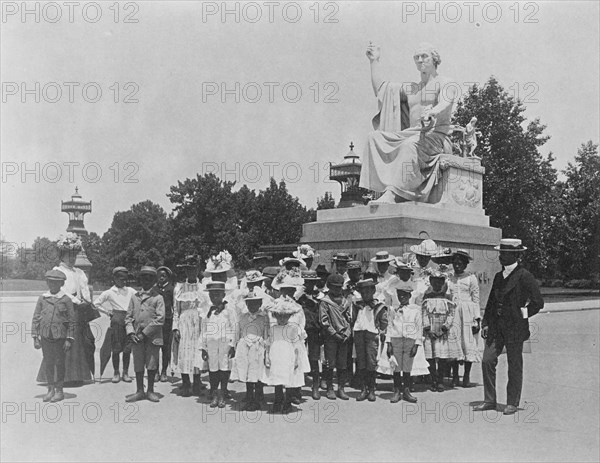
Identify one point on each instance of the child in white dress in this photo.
(285, 364)
(464, 289)
(249, 362)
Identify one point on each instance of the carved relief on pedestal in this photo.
(467, 193)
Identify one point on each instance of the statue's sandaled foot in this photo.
(386, 198)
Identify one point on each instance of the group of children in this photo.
(404, 317)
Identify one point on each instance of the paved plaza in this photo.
(558, 420)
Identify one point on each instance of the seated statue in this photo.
(412, 129)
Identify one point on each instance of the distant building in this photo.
(77, 208)
(347, 173)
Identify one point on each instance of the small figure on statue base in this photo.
(470, 139)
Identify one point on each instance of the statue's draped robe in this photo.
(396, 156)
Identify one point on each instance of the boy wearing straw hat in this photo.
(260, 260)
(144, 320)
(370, 321)
(217, 342)
(53, 328)
(309, 299)
(514, 297)
(335, 316)
(340, 261)
(403, 337)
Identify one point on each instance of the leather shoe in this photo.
(510, 410)
(49, 395)
(342, 394)
(363, 395)
(316, 395)
(152, 397)
(186, 390)
(215, 400)
(408, 396)
(139, 395)
(116, 378)
(277, 407)
(126, 378)
(163, 378)
(58, 395)
(484, 407)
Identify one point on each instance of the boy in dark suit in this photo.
(369, 321)
(165, 288)
(515, 296)
(53, 328)
(144, 322)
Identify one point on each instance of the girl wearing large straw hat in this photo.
(307, 254)
(464, 289)
(438, 318)
(290, 288)
(283, 360)
(249, 362)
(421, 264)
(189, 298)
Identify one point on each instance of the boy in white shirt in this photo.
(114, 302)
(403, 338)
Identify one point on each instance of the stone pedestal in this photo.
(455, 219)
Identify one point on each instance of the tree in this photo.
(579, 230)
(279, 216)
(29, 263)
(519, 186)
(137, 237)
(208, 216)
(326, 202)
(94, 248)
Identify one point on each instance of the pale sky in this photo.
(179, 67)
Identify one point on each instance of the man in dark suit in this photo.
(515, 296)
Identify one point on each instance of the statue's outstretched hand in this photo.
(373, 52)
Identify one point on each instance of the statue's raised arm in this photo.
(374, 53)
